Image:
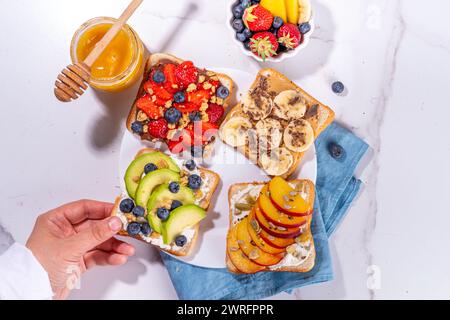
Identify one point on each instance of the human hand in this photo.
(73, 238)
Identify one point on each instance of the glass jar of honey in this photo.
(122, 62)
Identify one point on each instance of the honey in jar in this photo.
(120, 65)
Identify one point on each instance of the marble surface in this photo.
(392, 55)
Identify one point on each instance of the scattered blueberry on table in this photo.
(338, 87)
(336, 151)
(163, 214)
(126, 205)
(133, 228)
(149, 167)
(181, 241)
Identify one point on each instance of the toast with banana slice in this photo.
(270, 227)
(165, 200)
(174, 94)
(275, 123)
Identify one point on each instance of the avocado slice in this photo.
(136, 169)
(160, 196)
(151, 181)
(181, 218)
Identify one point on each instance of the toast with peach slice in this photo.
(255, 244)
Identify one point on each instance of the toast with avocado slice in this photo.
(165, 200)
(275, 123)
(259, 239)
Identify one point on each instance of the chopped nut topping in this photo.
(219, 101)
(201, 79)
(153, 98)
(171, 126)
(130, 217)
(250, 199)
(234, 249)
(292, 193)
(171, 134)
(255, 225)
(215, 78)
(240, 242)
(207, 86)
(243, 206)
(205, 117)
(213, 99)
(175, 86)
(210, 74)
(191, 87)
(149, 91)
(254, 254)
(141, 116)
(291, 249)
(168, 104)
(145, 128)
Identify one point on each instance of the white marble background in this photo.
(392, 55)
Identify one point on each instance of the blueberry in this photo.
(162, 214)
(223, 92)
(134, 228)
(146, 229)
(277, 22)
(238, 11)
(247, 45)
(172, 115)
(179, 97)
(149, 167)
(175, 204)
(159, 77)
(181, 241)
(126, 205)
(337, 87)
(238, 25)
(241, 36)
(197, 151)
(304, 28)
(247, 33)
(174, 187)
(245, 3)
(138, 211)
(137, 127)
(336, 151)
(190, 165)
(195, 116)
(194, 182)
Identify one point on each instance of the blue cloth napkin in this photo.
(336, 188)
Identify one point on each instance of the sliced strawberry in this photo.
(158, 128)
(215, 83)
(149, 107)
(171, 81)
(199, 96)
(186, 107)
(215, 112)
(186, 73)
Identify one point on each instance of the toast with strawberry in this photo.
(180, 104)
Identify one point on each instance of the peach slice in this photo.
(270, 228)
(287, 199)
(237, 257)
(254, 234)
(251, 250)
(277, 217)
(280, 243)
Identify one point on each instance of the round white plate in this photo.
(232, 167)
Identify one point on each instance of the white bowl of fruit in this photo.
(271, 30)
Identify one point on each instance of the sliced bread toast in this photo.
(202, 199)
(271, 82)
(237, 262)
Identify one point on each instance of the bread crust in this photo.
(325, 115)
(153, 60)
(214, 179)
(307, 265)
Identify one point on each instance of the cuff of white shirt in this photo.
(22, 276)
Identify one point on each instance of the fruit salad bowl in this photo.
(243, 36)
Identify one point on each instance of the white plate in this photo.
(232, 167)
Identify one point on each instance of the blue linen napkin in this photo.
(336, 188)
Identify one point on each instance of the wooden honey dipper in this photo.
(73, 80)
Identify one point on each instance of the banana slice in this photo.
(276, 162)
(269, 133)
(298, 135)
(305, 11)
(289, 105)
(235, 131)
(257, 107)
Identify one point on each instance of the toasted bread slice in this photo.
(317, 114)
(212, 179)
(248, 266)
(162, 58)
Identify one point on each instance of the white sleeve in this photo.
(22, 276)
